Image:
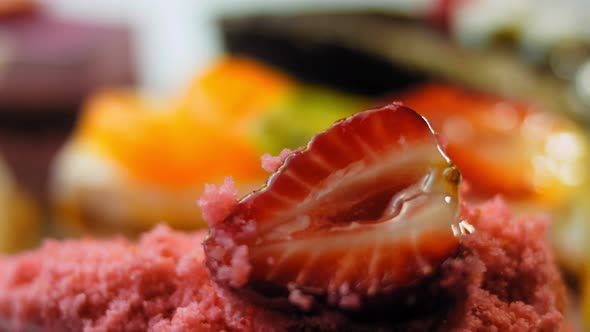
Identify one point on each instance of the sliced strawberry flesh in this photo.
(368, 206)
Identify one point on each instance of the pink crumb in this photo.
(159, 283)
(297, 298)
(503, 278)
(350, 301)
(271, 164)
(465, 189)
(216, 203)
(237, 271)
(240, 267)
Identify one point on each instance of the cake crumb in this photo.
(304, 302)
(503, 278)
(350, 302)
(216, 203)
(240, 267)
(271, 164)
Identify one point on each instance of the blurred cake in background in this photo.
(535, 51)
(48, 66)
(505, 146)
(134, 162)
(20, 218)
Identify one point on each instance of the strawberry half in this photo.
(368, 207)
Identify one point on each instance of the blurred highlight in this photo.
(20, 217)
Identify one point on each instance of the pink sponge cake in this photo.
(504, 276)
(484, 270)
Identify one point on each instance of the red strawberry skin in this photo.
(367, 207)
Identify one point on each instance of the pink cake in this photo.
(503, 277)
(498, 275)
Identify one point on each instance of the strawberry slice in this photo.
(369, 206)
